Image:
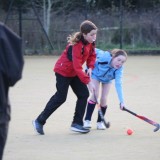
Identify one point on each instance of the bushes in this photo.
(139, 35)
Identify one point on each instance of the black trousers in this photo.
(62, 85)
(4, 112)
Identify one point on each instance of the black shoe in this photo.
(38, 127)
(78, 128)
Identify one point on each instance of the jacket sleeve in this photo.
(78, 63)
(118, 84)
(91, 59)
(11, 49)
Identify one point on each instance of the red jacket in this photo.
(73, 68)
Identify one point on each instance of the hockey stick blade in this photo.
(144, 119)
(157, 127)
(107, 124)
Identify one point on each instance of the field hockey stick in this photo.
(157, 125)
(107, 124)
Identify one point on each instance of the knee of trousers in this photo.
(58, 98)
(84, 95)
(62, 100)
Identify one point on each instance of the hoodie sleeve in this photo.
(118, 84)
(12, 56)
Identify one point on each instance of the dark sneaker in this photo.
(38, 127)
(78, 128)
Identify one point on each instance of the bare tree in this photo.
(47, 6)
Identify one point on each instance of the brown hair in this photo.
(117, 52)
(85, 27)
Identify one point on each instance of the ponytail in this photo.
(74, 38)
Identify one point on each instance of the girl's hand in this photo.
(122, 105)
(91, 87)
(89, 72)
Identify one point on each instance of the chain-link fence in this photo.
(136, 30)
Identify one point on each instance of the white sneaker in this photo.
(87, 124)
(100, 126)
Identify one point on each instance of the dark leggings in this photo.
(4, 113)
(62, 85)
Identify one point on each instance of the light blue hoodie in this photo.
(105, 73)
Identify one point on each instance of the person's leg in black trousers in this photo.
(82, 93)
(4, 113)
(62, 85)
(3, 137)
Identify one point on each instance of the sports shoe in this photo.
(87, 124)
(100, 126)
(38, 127)
(78, 128)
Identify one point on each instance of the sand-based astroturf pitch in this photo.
(141, 85)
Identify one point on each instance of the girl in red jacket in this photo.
(69, 72)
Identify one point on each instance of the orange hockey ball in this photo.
(129, 131)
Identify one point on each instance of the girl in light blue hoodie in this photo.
(108, 67)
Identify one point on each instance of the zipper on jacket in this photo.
(107, 72)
